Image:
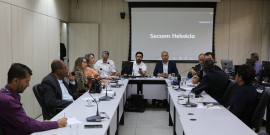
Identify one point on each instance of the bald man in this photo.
(56, 92)
(165, 67)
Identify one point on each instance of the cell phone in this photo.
(193, 119)
(93, 126)
(140, 69)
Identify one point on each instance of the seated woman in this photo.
(244, 102)
(80, 76)
(90, 71)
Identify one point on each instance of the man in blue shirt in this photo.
(257, 64)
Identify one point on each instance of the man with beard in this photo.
(13, 118)
(139, 68)
(105, 66)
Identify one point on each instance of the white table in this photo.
(78, 109)
(209, 121)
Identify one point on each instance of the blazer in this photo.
(218, 83)
(52, 94)
(171, 68)
(244, 103)
(197, 68)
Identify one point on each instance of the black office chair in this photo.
(258, 114)
(1, 131)
(225, 101)
(41, 102)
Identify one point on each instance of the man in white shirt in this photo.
(139, 68)
(105, 66)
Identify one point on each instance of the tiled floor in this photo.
(154, 121)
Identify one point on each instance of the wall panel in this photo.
(222, 42)
(89, 11)
(246, 11)
(59, 9)
(83, 38)
(223, 13)
(5, 42)
(40, 53)
(111, 11)
(22, 48)
(265, 42)
(117, 43)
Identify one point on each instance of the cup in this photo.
(192, 97)
(73, 129)
(158, 75)
(89, 102)
(182, 93)
(200, 99)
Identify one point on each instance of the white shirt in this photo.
(136, 68)
(106, 68)
(65, 94)
(165, 67)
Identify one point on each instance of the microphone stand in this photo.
(97, 117)
(188, 103)
(106, 97)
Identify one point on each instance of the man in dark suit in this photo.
(165, 67)
(197, 68)
(210, 56)
(217, 81)
(56, 92)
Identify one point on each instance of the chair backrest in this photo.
(40, 100)
(258, 114)
(1, 131)
(225, 101)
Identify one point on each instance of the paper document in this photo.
(71, 121)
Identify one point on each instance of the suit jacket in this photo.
(201, 72)
(197, 68)
(171, 68)
(218, 83)
(52, 94)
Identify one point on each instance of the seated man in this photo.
(13, 118)
(210, 56)
(216, 79)
(139, 68)
(165, 67)
(105, 66)
(257, 64)
(56, 92)
(197, 68)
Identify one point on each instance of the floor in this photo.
(154, 121)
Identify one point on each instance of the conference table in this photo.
(217, 120)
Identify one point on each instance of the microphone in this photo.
(186, 70)
(73, 73)
(189, 104)
(97, 117)
(113, 67)
(103, 70)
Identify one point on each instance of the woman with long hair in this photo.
(80, 76)
(90, 71)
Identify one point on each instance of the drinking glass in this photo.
(73, 129)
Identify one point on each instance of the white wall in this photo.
(30, 34)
